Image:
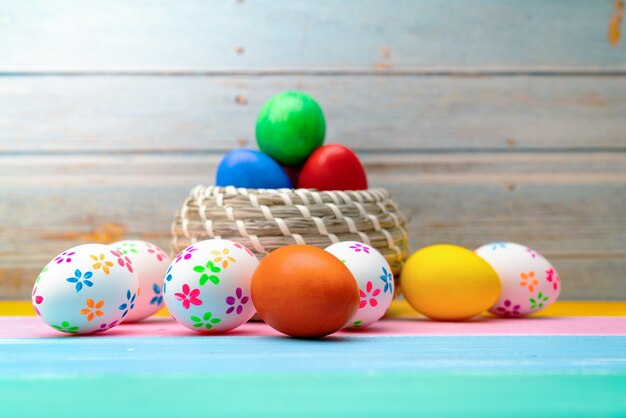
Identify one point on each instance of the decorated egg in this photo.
(207, 286)
(449, 283)
(529, 282)
(88, 288)
(373, 276)
(304, 291)
(251, 169)
(333, 167)
(150, 263)
(290, 126)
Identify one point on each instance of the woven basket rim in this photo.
(266, 219)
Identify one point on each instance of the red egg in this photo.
(333, 167)
(304, 291)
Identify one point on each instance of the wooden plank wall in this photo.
(487, 119)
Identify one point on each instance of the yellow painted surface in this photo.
(24, 308)
(401, 309)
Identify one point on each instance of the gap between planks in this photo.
(365, 151)
(385, 167)
(330, 72)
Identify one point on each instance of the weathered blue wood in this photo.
(97, 356)
(215, 114)
(570, 207)
(97, 186)
(336, 35)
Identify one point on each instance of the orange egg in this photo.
(304, 291)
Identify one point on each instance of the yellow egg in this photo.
(449, 283)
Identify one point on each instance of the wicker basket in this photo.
(266, 219)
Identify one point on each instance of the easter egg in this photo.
(290, 126)
(529, 282)
(86, 289)
(251, 169)
(373, 276)
(304, 291)
(449, 283)
(333, 167)
(207, 286)
(150, 263)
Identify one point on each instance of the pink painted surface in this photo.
(32, 327)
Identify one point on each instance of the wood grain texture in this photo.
(567, 206)
(400, 309)
(333, 377)
(206, 355)
(363, 393)
(251, 35)
(31, 327)
(488, 120)
(369, 113)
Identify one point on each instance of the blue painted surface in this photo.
(193, 355)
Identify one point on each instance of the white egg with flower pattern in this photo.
(85, 289)
(373, 276)
(207, 286)
(529, 282)
(150, 263)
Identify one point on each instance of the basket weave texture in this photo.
(267, 219)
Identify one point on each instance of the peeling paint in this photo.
(104, 234)
(385, 57)
(14, 283)
(594, 99)
(615, 22)
(155, 236)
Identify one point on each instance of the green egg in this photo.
(290, 126)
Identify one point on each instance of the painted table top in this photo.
(570, 361)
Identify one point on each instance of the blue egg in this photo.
(251, 169)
